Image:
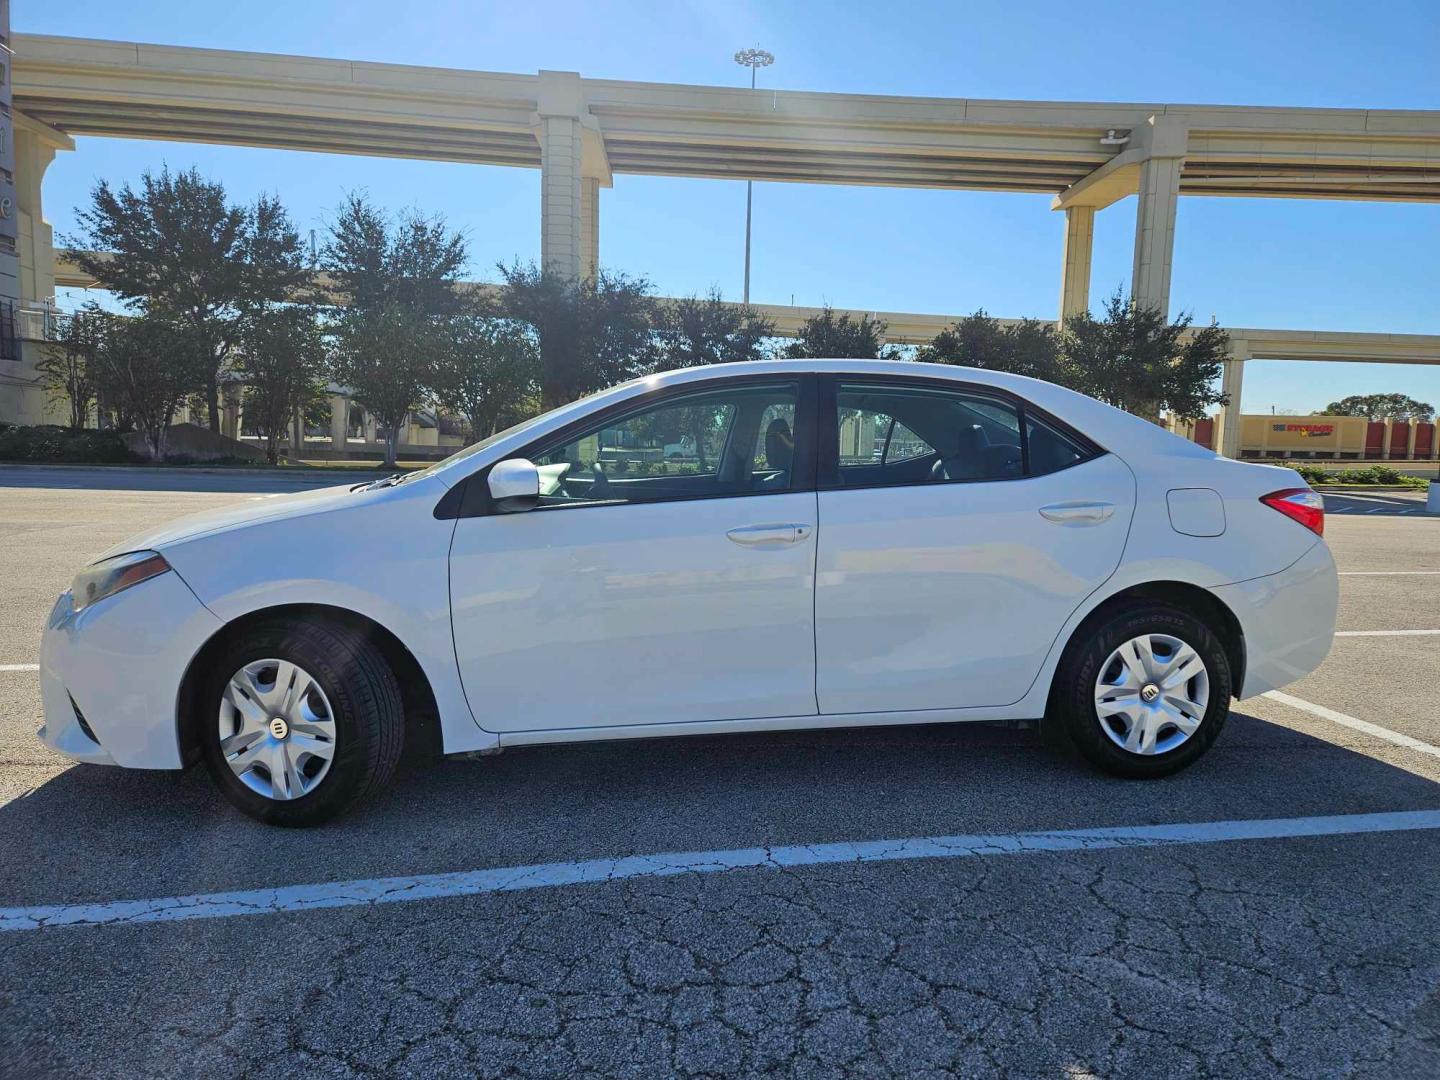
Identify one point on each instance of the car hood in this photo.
(253, 509)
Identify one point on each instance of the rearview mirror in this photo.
(514, 486)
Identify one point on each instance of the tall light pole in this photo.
(754, 59)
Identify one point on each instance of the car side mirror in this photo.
(514, 486)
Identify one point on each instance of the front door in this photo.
(959, 534)
(666, 577)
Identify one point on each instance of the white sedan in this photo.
(750, 547)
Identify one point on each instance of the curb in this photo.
(1364, 489)
(298, 472)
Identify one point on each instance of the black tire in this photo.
(365, 702)
(1073, 709)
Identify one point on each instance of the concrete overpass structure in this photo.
(581, 133)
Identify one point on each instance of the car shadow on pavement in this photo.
(94, 833)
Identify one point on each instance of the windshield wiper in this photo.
(388, 481)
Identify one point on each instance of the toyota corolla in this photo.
(751, 547)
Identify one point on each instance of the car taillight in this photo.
(1303, 505)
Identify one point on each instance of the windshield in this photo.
(491, 440)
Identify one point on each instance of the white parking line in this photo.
(1386, 633)
(1352, 722)
(396, 890)
(19, 667)
(1389, 573)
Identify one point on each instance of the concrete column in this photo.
(589, 225)
(1227, 439)
(1164, 141)
(1155, 233)
(1075, 270)
(339, 423)
(560, 196)
(27, 270)
(297, 434)
(230, 410)
(573, 168)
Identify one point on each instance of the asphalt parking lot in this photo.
(1147, 951)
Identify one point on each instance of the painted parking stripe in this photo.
(1354, 723)
(1389, 573)
(19, 667)
(1387, 633)
(553, 875)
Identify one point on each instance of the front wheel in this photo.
(300, 720)
(1145, 693)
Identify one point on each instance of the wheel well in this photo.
(422, 716)
(1201, 603)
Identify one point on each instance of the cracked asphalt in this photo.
(1308, 957)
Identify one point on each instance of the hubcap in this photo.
(277, 731)
(1151, 694)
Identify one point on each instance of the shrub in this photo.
(50, 443)
(1371, 474)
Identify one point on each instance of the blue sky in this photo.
(1304, 264)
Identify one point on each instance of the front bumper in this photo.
(1288, 620)
(119, 663)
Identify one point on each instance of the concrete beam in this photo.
(125, 89)
(913, 328)
(1118, 177)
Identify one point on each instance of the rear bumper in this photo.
(1288, 620)
(119, 664)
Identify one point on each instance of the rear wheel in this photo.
(1145, 693)
(299, 720)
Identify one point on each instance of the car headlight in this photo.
(110, 576)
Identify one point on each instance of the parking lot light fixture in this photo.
(754, 59)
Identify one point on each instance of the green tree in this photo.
(279, 350)
(1029, 347)
(150, 362)
(831, 336)
(696, 331)
(68, 365)
(281, 357)
(489, 372)
(399, 282)
(170, 249)
(1133, 359)
(177, 249)
(1381, 407)
(592, 333)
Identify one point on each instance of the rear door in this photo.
(959, 531)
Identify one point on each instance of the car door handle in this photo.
(769, 535)
(1078, 513)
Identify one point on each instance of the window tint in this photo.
(725, 442)
(871, 436)
(1049, 450)
(907, 435)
